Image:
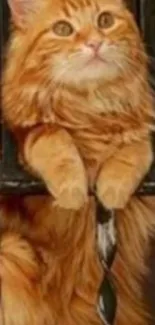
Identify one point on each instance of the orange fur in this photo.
(77, 126)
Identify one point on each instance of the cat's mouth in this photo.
(96, 59)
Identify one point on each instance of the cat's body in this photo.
(77, 127)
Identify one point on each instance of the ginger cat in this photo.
(76, 96)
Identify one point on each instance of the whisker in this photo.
(140, 51)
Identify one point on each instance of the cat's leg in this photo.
(120, 175)
(54, 157)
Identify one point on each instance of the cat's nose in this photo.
(93, 44)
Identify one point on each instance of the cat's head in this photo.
(78, 41)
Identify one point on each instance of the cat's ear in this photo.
(20, 9)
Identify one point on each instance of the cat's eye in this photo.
(106, 20)
(63, 28)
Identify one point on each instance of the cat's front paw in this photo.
(56, 160)
(72, 195)
(114, 190)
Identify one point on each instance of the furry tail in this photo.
(136, 225)
(18, 274)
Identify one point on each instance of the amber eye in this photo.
(106, 20)
(63, 28)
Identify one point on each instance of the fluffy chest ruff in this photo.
(101, 120)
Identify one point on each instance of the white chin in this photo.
(95, 71)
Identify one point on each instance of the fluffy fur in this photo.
(81, 121)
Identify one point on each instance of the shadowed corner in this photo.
(149, 284)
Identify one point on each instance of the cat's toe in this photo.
(72, 197)
(113, 195)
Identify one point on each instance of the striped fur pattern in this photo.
(81, 120)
